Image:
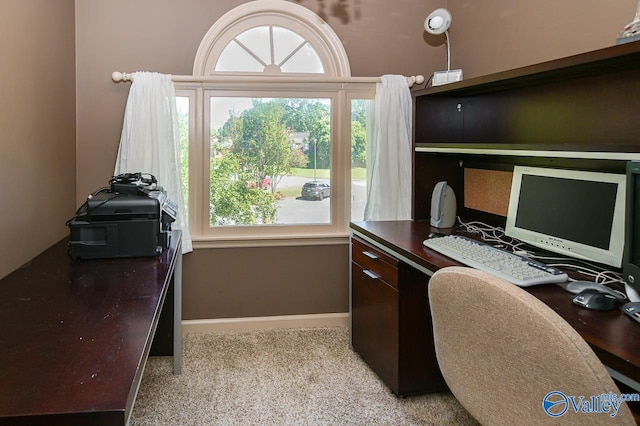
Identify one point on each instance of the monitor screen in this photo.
(571, 212)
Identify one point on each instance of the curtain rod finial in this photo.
(120, 76)
(415, 79)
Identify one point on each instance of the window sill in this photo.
(271, 241)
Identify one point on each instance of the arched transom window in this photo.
(269, 49)
(271, 37)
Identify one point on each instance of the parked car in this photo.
(315, 189)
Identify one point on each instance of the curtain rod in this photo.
(123, 76)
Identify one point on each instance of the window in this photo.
(182, 108)
(263, 152)
(269, 139)
(359, 119)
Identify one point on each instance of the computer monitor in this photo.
(631, 261)
(575, 213)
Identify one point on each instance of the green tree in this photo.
(358, 145)
(231, 130)
(359, 110)
(232, 201)
(183, 129)
(265, 144)
(320, 143)
(299, 158)
(359, 133)
(313, 116)
(302, 113)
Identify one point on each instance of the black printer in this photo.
(130, 218)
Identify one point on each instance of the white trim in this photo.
(592, 155)
(270, 241)
(265, 323)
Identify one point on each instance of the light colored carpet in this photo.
(279, 377)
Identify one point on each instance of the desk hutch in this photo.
(578, 112)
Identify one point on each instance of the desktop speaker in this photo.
(443, 206)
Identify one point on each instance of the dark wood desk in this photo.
(614, 337)
(76, 335)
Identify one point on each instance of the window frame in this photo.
(341, 95)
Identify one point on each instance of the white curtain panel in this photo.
(150, 141)
(389, 152)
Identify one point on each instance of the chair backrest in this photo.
(506, 355)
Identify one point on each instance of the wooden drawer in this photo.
(374, 262)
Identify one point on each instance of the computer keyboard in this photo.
(511, 267)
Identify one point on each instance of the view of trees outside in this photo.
(263, 150)
(359, 110)
(182, 108)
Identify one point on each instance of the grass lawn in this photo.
(357, 173)
(289, 191)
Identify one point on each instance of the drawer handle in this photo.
(371, 274)
(370, 255)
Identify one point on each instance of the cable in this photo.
(489, 233)
(84, 209)
(428, 82)
(133, 183)
(600, 277)
(497, 234)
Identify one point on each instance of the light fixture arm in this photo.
(446, 33)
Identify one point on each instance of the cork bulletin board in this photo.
(487, 190)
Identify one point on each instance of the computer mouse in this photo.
(596, 300)
(576, 287)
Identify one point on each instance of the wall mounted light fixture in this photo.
(438, 22)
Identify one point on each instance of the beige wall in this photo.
(495, 35)
(380, 37)
(37, 124)
(247, 282)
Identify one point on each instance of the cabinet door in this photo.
(419, 371)
(438, 120)
(375, 324)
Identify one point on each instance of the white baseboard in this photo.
(262, 323)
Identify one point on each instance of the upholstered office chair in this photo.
(502, 351)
